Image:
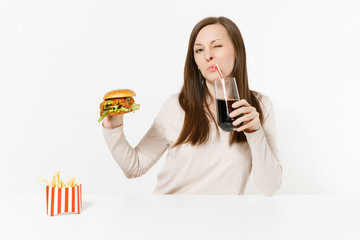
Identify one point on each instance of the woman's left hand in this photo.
(250, 118)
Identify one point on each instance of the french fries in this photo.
(56, 182)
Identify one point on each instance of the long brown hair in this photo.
(192, 98)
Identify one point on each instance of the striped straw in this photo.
(221, 80)
(219, 72)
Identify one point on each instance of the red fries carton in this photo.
(62, 197)
(62, 200)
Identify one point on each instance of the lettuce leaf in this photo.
(117, 108)
(108, 102)
(103, 115)
(135, 107)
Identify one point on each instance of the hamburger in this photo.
(118, 102)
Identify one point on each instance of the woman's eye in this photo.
(198, 50)
(218, 46)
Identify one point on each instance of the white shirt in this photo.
(211, 168)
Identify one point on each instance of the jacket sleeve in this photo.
(135, 162)
(266, 166)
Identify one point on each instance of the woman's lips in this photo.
(212, 68)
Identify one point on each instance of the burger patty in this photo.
(125, 102)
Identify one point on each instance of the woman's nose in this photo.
(209, 55)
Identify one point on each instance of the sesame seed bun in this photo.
(119, 93)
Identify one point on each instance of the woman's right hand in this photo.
(110, 122)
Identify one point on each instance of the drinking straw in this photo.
(221, 80)
(219, 72)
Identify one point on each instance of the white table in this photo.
(23, 216)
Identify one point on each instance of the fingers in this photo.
(117, 121)
(250, 116)
(241, 110)
(240, 103)
(250, 126)
(111, 122)
(246, 118)
(106, 123)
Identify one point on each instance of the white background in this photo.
(58, 58)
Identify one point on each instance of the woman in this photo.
(203, 159)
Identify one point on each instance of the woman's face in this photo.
(214, 46)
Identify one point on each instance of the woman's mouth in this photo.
(211, 68)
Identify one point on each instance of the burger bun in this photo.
(116, 113)
(119, 93)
